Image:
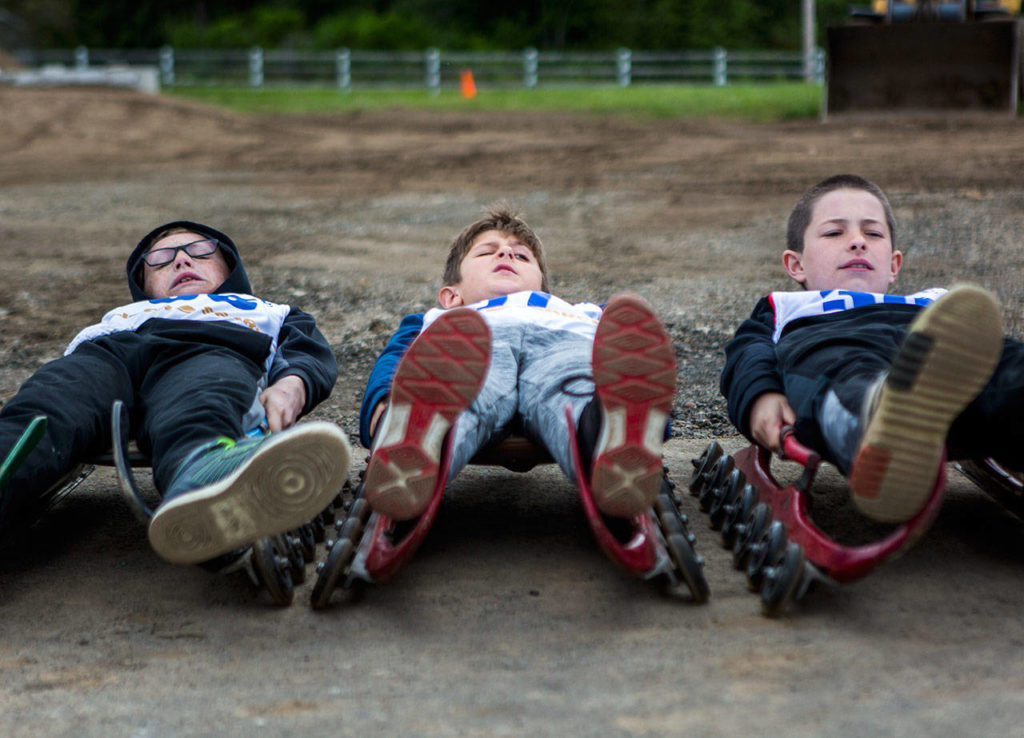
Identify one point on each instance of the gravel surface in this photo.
(509, 621)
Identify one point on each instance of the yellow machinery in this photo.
(926, 55)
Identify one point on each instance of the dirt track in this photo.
(509, 620)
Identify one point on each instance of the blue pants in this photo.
(534, 373)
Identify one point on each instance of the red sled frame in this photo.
(371, 549)
(769, 527)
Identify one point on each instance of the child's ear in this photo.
(449, 297)
(894, 265)
(793, 261)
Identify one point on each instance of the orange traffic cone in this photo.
(467, 84)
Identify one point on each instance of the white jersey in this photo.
(790, 306)
(245, 310)
(536, 308)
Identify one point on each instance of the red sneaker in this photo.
(439, 377)
(635, 377)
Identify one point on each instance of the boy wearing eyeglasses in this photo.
(198, 361)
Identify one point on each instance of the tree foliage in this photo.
(412, 24)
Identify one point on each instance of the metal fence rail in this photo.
(436, 70)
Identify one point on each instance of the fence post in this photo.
(343, 67)
(530, 68)
(434, 71)
(255, 67)
(81, 58)
(819, 66)
(167, 66)
(624, 67)
(720, 66)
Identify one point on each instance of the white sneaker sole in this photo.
(951, 349)
(293, 476)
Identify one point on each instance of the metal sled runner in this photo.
(769, 529)
(371, 548)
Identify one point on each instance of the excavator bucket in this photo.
(950, 65)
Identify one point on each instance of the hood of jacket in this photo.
(237, 280)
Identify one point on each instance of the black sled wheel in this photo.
(289, 544)
(271, 567)
(307, 540)
(782, 582)
(702, 466)
(717, 479)
(688, 566)
(736, 513)
(724, 496)
(767, 552)
(332, 572)
(748, 533)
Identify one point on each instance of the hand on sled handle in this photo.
(283, 402)
(768, 415)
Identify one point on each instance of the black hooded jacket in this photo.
(301, 349)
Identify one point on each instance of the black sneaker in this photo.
(230, 493)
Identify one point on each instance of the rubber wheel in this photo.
(688, 566)
(781, 582)
(291, 547)
(269, 565)
(748, 533)
(767, 552)
(307, 541)
(702, 465)
(334, 569)
(360, 510)
(717, 479)
(725, 495)
(736, 513)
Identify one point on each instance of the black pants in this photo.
(180, 391)
(991, 425)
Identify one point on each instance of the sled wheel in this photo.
(307, 541)
(725, 495)
(782, 582)
(271, 567)
(318, 526)
(688, 566)
(670, 524)
(290, 546)
(717, 478)
(735, 513)
(748, 533)
(768, 551)
(331, 572)
(360, 510)
(702, 466)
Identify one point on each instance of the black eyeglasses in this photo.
(196, 249)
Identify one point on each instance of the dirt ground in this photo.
(509, 621)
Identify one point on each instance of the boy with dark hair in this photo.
(502, 355)
(197, 361)
(881, 385)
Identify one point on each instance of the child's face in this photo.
(184, 274)
(496, 264)
(846, 246)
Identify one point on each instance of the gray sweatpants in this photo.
(534, 373)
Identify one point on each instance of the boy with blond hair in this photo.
(503, 355)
